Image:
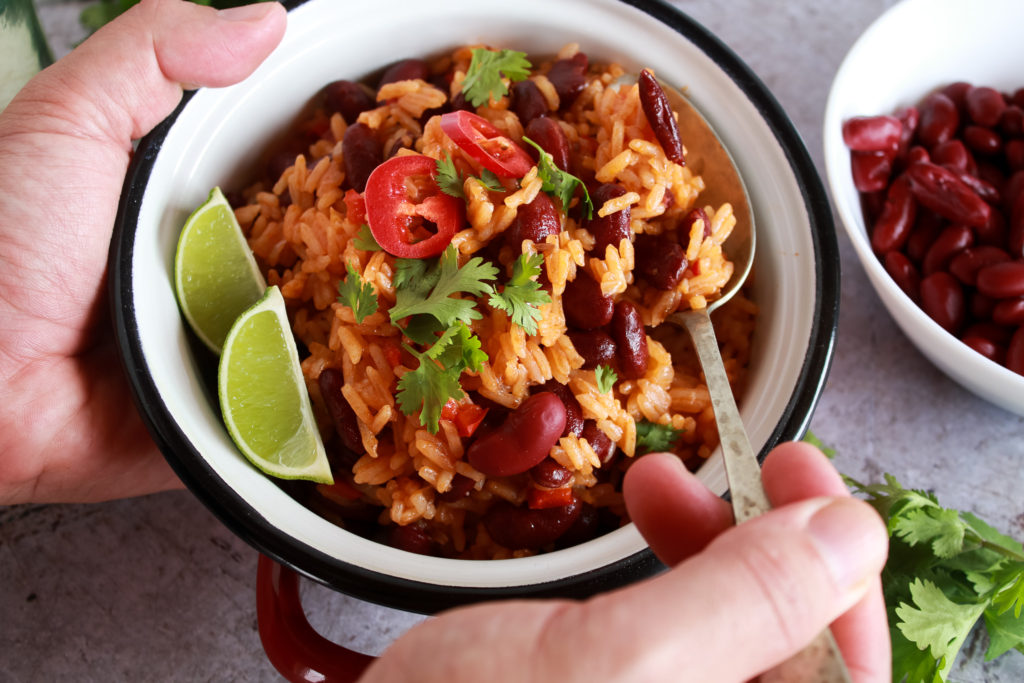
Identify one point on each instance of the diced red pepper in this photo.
(542, 499)
(481, 140)
(465, 416)
(356, 206)
(400, 223)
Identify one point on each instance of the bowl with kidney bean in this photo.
(216, 138)
(925, 159)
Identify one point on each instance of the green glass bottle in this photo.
(23, 47)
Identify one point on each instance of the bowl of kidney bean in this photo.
(924, 146)
(216, 138)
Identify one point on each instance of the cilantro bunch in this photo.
(946, 570)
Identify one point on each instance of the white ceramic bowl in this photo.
(216, 135)
(911, 50)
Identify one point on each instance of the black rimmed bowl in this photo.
(215, 138)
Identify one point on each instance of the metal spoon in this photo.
(706, 156)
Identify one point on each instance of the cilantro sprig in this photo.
(423, 286)
(357, 295)
(365, 240)
(483, 81)
(651, 436)
(947, 569)
(451, 181)
(559, 183)
(606, 378)
(522, 294)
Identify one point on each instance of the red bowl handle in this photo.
(296, 650)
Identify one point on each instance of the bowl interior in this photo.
(219, 134)
(911, 50)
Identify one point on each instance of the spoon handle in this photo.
(741, 468)
(820, 661)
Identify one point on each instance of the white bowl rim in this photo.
(402, 593)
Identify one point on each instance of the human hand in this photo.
(68, 431)
(737, 601)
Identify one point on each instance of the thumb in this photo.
(129, 75)
(754, 597)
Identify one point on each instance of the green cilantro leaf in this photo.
(935, 622)
(1005, 633)
(522, 294)
(559, 183)
(357, 295)
(445, 278)
(491, 181)
(423, 329)
(428, 387)
(606, 378)
(651, 437)
(942, 528)
(448, 177)
(486, 68)
(365, 240)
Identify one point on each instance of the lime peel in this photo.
(263, 396)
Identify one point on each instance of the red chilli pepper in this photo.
(542, 499)
(481, 140)
(399, 222)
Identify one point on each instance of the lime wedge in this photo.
(215, 274)
(263, 396)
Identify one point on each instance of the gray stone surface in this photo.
(157, 589)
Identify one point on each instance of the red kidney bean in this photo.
(631, 339)
(871, 170)
(872, 133)
(527, 102)
(361, 154)
(997, 334)
(894, 224)
(610, 229)
(939, 119)
(586, 308)
(927, 227)
(957, 92)
(535, 221)
(1015, 352)
(1018, 97)
(698, 214)
(586, 527)
(573, 411)
(1002, 280)
(405, 70)
(966, 264)
(549, 474)
(952, 154)
(346, 424)
(1012, 190)
(1014, 153)
(348, 98)
(523, 440)
(994, 231)
(942, 298)
(1011, 123)
(281, 162)
(984, 105)
(943, 192)
(568, 77)
(1009, 311)
(660, 260)
(871, 204)
(992, 174)
(659, 114)
(1016, 228)
(983, 189)
(411, 539)
(603, 447)
(596, 346)
(461, 487)
(917, 153)
(904, 273)
(985, 347)
(950, 241)
(547, 133)
(908, 118)
(982, 140)
(526, 529)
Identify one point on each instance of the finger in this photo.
(770, 584)
(795, 471)
(675, 512)
(129, 75)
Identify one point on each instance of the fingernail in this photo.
(253, 12)
(851, 538)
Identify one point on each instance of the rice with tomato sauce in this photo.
(398, 479)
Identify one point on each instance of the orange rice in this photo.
(302, 231)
